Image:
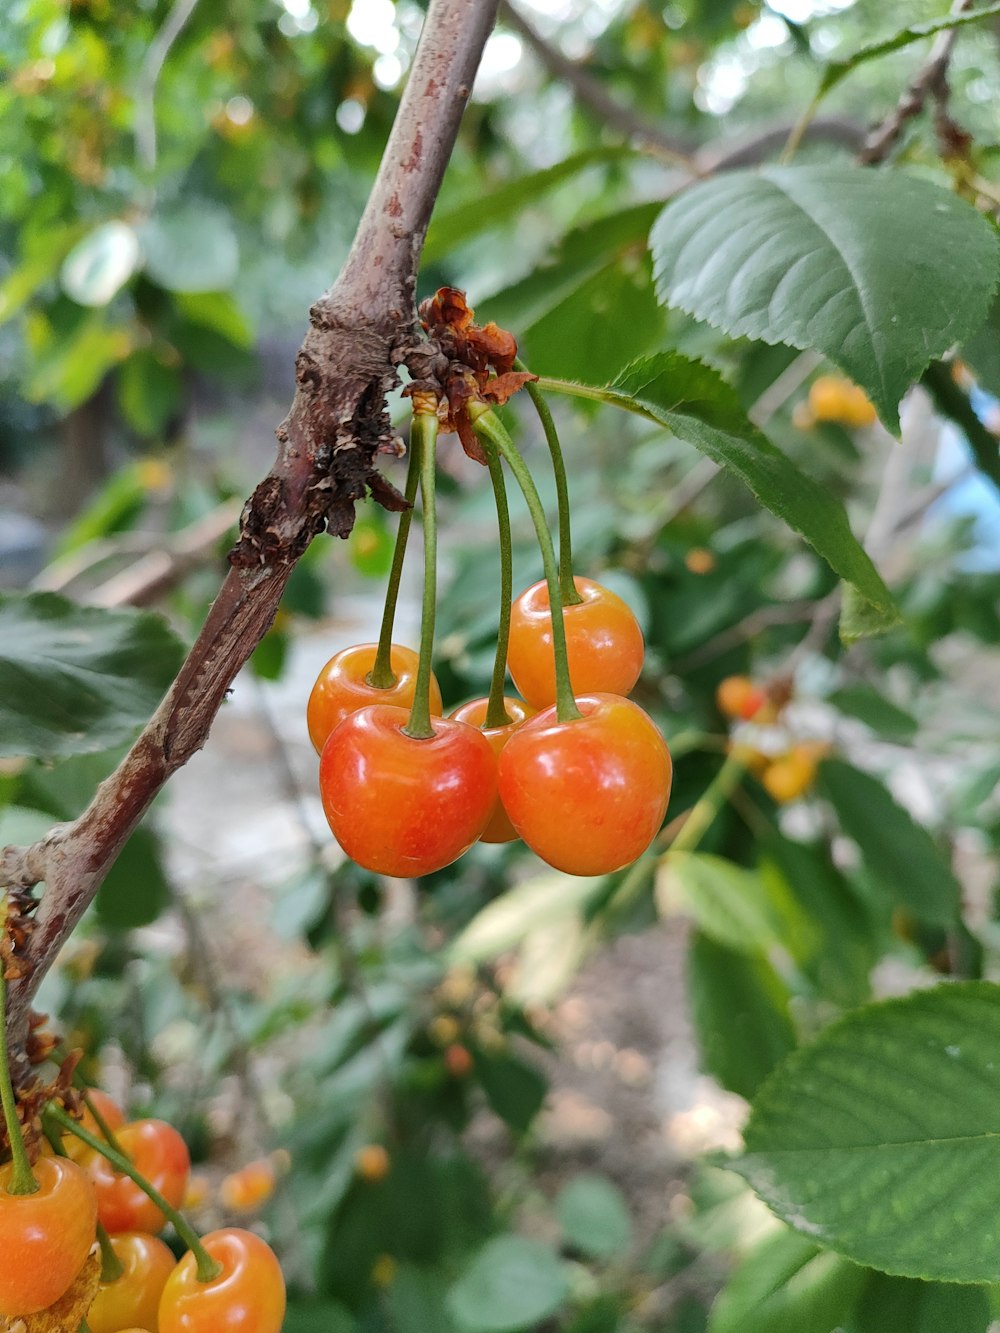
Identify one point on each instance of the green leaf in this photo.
(503, 923)
(514, 1089)
(219, 312)
(981, 352)
(740, 1011)
(512, 1283)
(148, 392)
(135, 891)
(952, 401)
(463, 221)
(787, 1284)
(75, 679)
(191, 247)
(594, 1216)
(881, 1139)
(874, 710)
(98, 266)
(900, 853)
(695, 403)
(729, 903)
(324, 1317)
(880, 271)
(914, 32)
(901, 1305)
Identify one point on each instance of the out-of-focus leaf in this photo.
(514, 1089)
(191, 247)
(75, 679)
(149, 392)
(135, 891)
(512, 1283)
(504, 922)
(97, 267)
(875, 710)
(594, 1216)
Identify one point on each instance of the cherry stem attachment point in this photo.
(111, 1266)
(492, 431)
(496, 709)
(381, 674)
(567, 587)
(208, 1268)
(423, 438)
(22, 1179)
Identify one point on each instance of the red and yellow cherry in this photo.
(791, 775)
(499, 829)
(738, 697)
(158, 1153)
(342, 687)
(588, 795)
(248, 1296)
(245, 1190)
(112, 1115)
(401, 806)
(133, 1299)
(45, 1236)
(603, 642)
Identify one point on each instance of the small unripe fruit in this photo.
(372, 1163)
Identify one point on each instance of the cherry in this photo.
(739, 697)
(159, 1154)
(499, 829)
(342, 687)
(603, 640)
(134, 1297)
(45, 1236)
(404, 806)
(248, 1296)
(587, 795)
(109, 1111)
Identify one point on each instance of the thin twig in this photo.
(144, 116)
(931, 80)
(159, 571)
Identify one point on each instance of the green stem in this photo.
(492, 430)
(99, 1120)
(496, 709)
(208, 1268)
(423, 439)
(567, 586)
(705, 810)
(381, 674)
(22, 1179)
(111, 1266)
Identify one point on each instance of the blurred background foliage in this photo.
(180, 181)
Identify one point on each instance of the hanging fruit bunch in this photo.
(573, 767)
(786, 772)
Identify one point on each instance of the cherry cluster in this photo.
(572, 767)
(102, 1181)
(788, 772)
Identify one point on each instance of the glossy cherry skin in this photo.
(603, 642)
(588, 796)
(133, 1299)
(44, 1237)
(342, 688)
(248, 1296)
(158, 1153)
(401, 806)
(499, 829)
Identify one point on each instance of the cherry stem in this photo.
(99, 1120)
(496, 709)
(567, 586)
(208, 1268)
(423, 439)
(705, 810)
(22, 1179)
(111, 1266)
(492, 430)
(381, 674)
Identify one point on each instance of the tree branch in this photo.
(359, 332)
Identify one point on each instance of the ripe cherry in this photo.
(603, 640)
(402, 806)
(159, 1154)
(246, 1190)
(342, 687)
(134, 1297)
(791, 775)
(588, 795)
(499, 829)
(248, 1296)
(45, 1236)
(738, 697)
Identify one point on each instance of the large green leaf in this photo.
(75, 679)
(901, 1305)
(594, 1216)
(880, 271)
(881, 1139)
(899, 852)
(787, 1284)
(512, 1283)
(740, 1009)
(695, 403)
